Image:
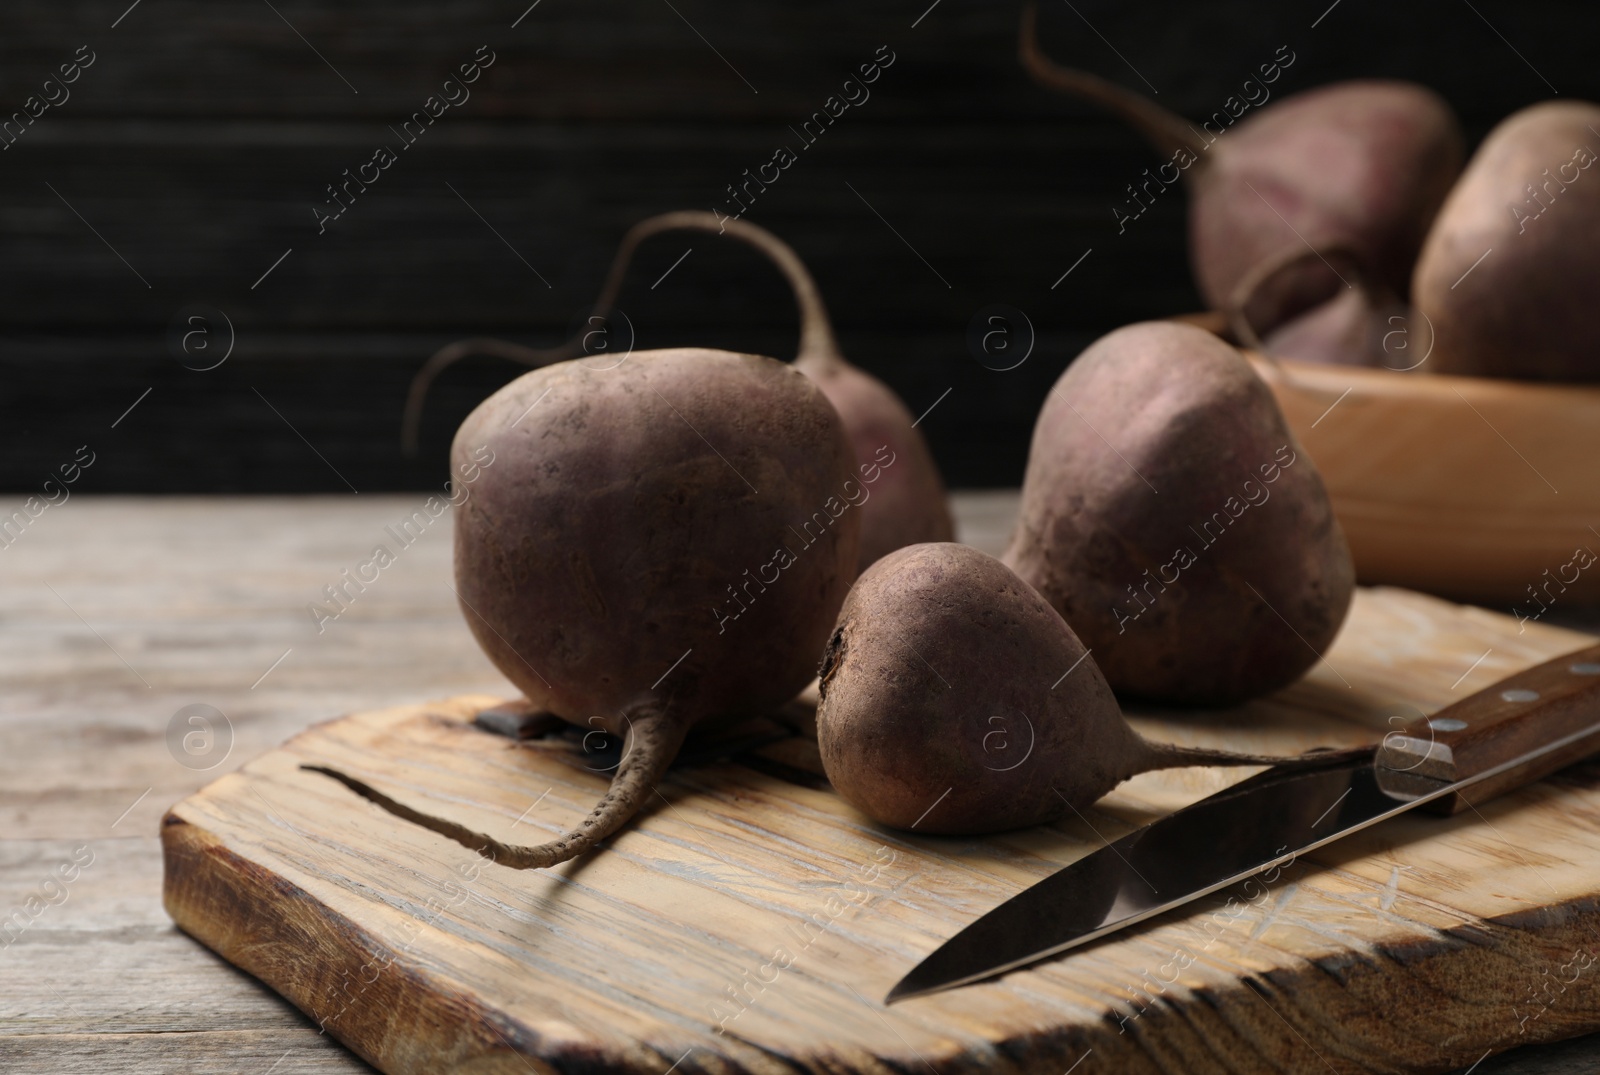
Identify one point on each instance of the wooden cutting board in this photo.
(752, 921)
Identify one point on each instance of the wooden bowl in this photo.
(1480, 489)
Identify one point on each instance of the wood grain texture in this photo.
(201, 597)
(102, 980)
(752, 923)
(1507, 514)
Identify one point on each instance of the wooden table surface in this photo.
(118, 614)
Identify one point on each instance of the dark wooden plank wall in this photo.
(201, 138)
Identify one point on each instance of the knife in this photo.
(1524, 727)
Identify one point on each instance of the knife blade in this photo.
(1510, 734)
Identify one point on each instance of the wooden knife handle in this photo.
(1547, 703)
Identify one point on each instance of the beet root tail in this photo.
(651, 744)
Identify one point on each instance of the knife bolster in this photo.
(1419, 757)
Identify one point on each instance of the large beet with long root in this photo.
(656, 546)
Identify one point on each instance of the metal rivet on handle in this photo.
(1585, 668)
(1517, 694)
(1446, 724)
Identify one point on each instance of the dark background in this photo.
(201, 139)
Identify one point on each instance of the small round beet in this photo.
(956, 700)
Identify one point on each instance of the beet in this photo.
(907, 501)
(1361, 164)
(1170, 515)
(1511, 266)
(956, 700)
(655, 547)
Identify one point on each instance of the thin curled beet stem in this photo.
(1167, 131)
(1259, 275)
(818, 346)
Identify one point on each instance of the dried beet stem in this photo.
(818, 346)
(1172, 756)
(1288, 258)
(652, 741)
(1167, 131)
(817, 342)
(909, 507)
(451, 353)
